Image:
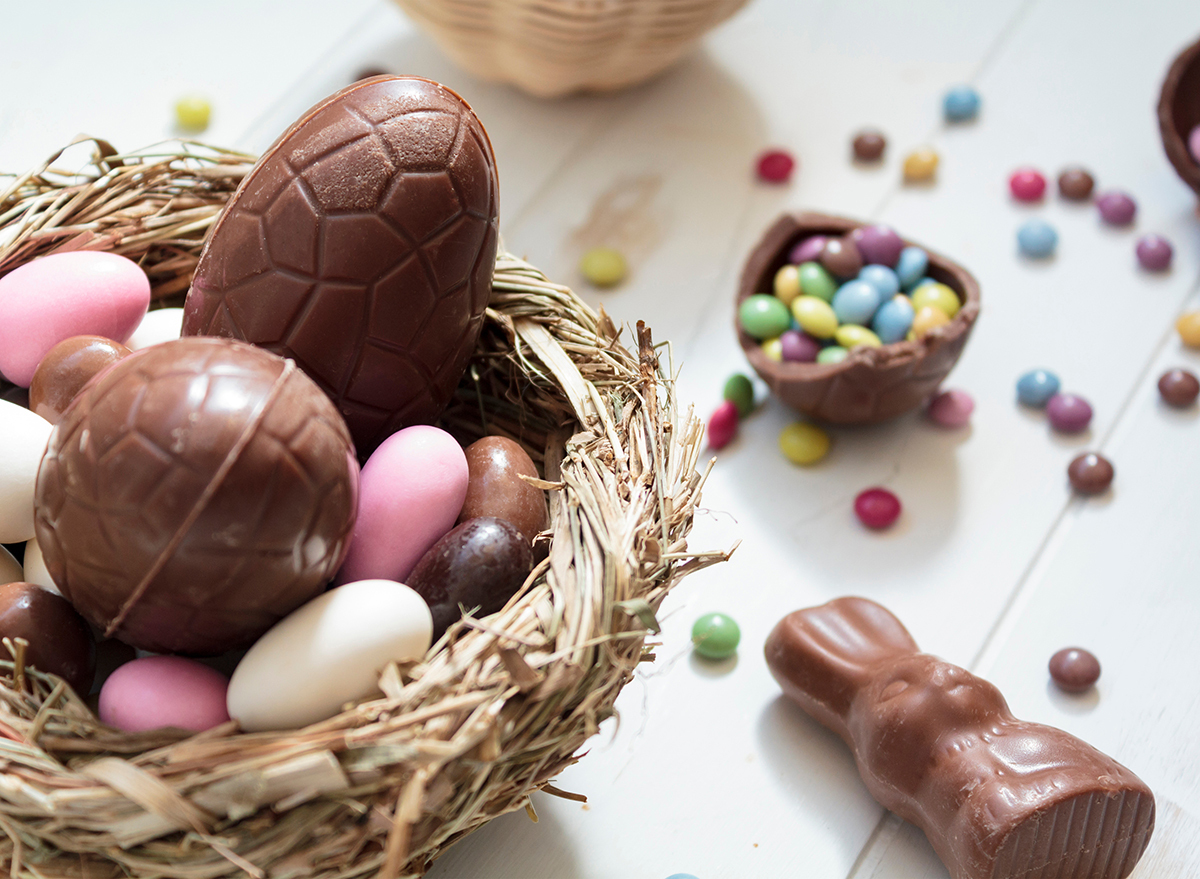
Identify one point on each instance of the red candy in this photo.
(1027, 184)
(775, 166)
(722, 426)
(877, 507)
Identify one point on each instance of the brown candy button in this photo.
(60, 642)
(66, 368)
(1090, 473)
(841, 257)
(869, 146)
(495, 487)
(1076, 184)
(1074, 669)
(1179, 387)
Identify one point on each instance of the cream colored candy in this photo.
(36, 571)
(23, 438)
(10, 568)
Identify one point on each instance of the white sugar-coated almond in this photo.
(23, 438)
(36, 571)
(10, 568)
(159, 325)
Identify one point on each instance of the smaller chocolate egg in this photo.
(478, 565)
(60, 642)
(495, 465)
(66, 368)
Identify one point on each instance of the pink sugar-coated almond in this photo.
(82, 293)
(161, 691)
(723, 425)
(411, 491)
(951, 408)
(877, 508)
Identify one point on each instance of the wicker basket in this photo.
(554, 47)
(1179, 113)
(493, 712)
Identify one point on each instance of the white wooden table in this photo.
(994, 565)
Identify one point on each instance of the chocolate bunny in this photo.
(998, 797)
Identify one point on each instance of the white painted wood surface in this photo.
(993, 565)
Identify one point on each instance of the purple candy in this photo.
(1116, 208)
(951, 408)
(1154, 252)
(807, 250)
(798, 347)
(1068, 413)
(1194, 143)
(878, 244)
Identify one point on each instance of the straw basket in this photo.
(493, 712)
(555, 47)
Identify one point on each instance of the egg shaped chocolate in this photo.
(495, 465)
(195, 493)
(362, 246)
(59, 641)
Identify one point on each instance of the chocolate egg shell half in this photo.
(60, 642)
(1179, 113)
(871, 384)
(195, 493)
(362, 246)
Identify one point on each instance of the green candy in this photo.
(716, 636)
(815, 280)
(740, 392)
(832, 354)
(763, 316)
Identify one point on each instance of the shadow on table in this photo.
(518, 848)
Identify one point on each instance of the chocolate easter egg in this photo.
(195, 493)
(495, 487)
(362, 246)
(59, 641)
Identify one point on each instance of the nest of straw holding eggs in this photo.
(494, 711)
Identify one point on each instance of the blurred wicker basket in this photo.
(555, 47)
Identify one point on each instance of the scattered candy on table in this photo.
(1076, 184)
(1116, 208)
(1188, 327)
(1037, 239)
(1027, 184)
(920, 165)
(1154, 253)
(1074, 670)
(1036, 387)
(603, 267)
(775, 166)
(1179, 387)
(739, 390)
(1068, 413)
(803, 443)
(1090, 473)
(716, 636)
(868, 146)
(877, 508)
(960, 104)
(951, 408)
(723, 425)
(192, 113)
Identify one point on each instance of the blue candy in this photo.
(855, 302)
(1037, 239)
(912, 265)
(681, 876)
(882, 279)
(960, 104)
(1036, 387)
(893, 320)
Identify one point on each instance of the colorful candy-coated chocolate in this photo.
(815, 280)
(920, 165)
(1076, 184)
(1154, 253)
(841, 257)
(1116, 208)
(739, 390)
(1090, 473)
(603, 266)
(82, 292)
(877, 508)
(938, 296)
(1074, 670)
(1068, 413)
(832, 354)
(1188, 327)
(951, 409)
(894, 319)
(1178, 387)
(803, 443)
(796, 347)
(164, 691)
(716, 636)
(787, 284)
(1037, 239)
(926, 319)
(773, 349)
(911, 266)
(1027, 184)
(855, 302)
(878, 244)
(1036, 387)
(775, 166)
(868, 146)
(723, 425)
(808, 249)
(763, 316)
(66, 368)
(192, 113)
(1194, 143)
(882, 279)
(960, 104)
(854, 336)
(815, 316)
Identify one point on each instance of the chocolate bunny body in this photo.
(998, 797)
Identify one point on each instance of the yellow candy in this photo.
(787, 284)
(920, 165)
(803, 443)
(939, 296)
(192, 112)
(815, 316)
(773, 348)
(926, 319)
(1188, 326)
(852, 335)
(603, 266)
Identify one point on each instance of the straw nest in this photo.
(493, 712)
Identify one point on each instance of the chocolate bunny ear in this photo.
(823, 656)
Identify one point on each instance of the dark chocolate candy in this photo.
(1076, 184)
(1179, 387)
(66, 368)
(60, 642)
(479, 565)
(495, 487)
(362, 246)
(841, 258)
(998, 798)
(194, 494)
(868, 146)
(1090, 473)
(1074, 669)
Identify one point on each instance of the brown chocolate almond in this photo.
(1179, 113)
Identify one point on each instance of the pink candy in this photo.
(723, 425)
(775, 166)
(1068, 413)
(877, 508)
(1027, 184)
(951, 408)
(162, 691)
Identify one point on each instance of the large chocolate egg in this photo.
(362, 246)
(194, 494)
